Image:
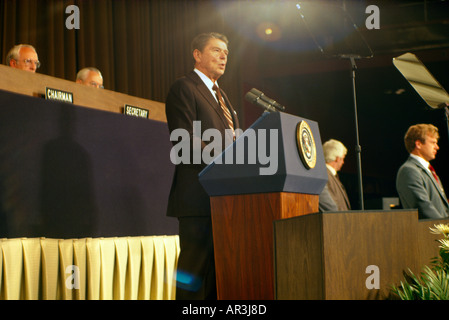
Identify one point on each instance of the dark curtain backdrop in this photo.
(141, 46)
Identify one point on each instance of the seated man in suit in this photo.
(417, 184)
(334, 197)
(24, 57)
(90, 77)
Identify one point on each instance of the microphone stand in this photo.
(358, 148)
(346, 19)
(446, 112)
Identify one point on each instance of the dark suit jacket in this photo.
(338, 192)
(417, 188)
(190, 100)
(326, 203)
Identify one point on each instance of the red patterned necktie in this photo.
(434, 173)
(438, 180)
(225, 109)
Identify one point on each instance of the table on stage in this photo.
(83, 194)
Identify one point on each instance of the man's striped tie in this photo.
(225, 109)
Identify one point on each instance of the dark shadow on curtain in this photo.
(68, 205)
(3, 214)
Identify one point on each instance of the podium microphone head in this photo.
(266, 99)
(255, 99)
(256, 92)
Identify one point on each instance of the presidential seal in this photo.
(306, 144)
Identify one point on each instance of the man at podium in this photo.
(197, 97)
(417, 183)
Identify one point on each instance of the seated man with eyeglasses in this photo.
(90, 77)
(23, 56)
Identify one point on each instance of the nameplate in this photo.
(58, 95)
(135, 111)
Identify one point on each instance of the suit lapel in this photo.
(205, 92)
(340, 186)
(430, 176)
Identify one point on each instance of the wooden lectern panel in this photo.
(356, 255)
(352, 242)
(243, 240)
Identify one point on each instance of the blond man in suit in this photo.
(334, 196)
(416, 185)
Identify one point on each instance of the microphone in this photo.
(270, 101)
(251, 97)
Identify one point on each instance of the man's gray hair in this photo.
(13, 54)
(333, 149)
(82, 74)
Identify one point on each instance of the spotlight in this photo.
(268, 31)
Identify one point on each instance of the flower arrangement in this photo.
(433, 283)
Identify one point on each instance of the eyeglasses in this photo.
(97, 85)
(37, 63)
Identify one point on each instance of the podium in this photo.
(354, 255)
(249, 193)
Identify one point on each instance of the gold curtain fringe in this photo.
(117, 268)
